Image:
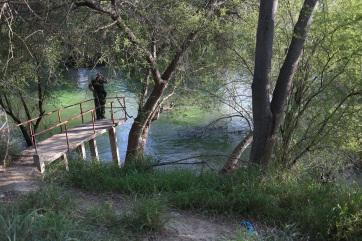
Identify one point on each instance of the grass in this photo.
(148, 215)
(322, 211)
(50, 215)
(104, 215)
(42, 215)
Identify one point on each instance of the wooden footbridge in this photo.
(74, 133)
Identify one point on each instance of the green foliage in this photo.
(348, 216)
(322, 116)
(147, 214)
(324, 211)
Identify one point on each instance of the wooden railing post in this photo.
(93, 120)
(81, 112)
(112, 114)
(32, 136)
(124, 108)
(66, 135)
(60, 120)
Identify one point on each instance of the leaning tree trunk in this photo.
(284, 82)
(232, 163)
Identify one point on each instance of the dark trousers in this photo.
(99, 103)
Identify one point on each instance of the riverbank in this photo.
(54, 213)
(312, 208)
(180, 204)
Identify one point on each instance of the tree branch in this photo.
(167, 74)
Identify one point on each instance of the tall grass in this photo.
(148, 214)
(50, 215)
(322, 211)
(38, 216)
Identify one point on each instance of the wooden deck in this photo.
(56, 146)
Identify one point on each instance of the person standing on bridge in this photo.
(99, 94)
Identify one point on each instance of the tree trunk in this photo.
(269, 116)
(138, 134)
(290, 65)
(137, 139)
(144, 137)
(26, 136)
(231, 163)
(262, 115)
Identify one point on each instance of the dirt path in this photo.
(181, 225)
(23, 177)
(20, 177)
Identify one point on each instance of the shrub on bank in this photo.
(323, 211)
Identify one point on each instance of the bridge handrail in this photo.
(63, 108)
(61, 123)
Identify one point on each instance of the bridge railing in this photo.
(115, 104)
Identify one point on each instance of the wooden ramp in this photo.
(56, 146)
(59, 145)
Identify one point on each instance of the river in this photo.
(175, 135)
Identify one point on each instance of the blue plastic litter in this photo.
(248, 226)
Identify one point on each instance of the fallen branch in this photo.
(185, 159)
(187, 163)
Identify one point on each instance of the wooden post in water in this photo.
(114, 147)
(64, 157)
(39, 163)
(93, 149)
(81, 151)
